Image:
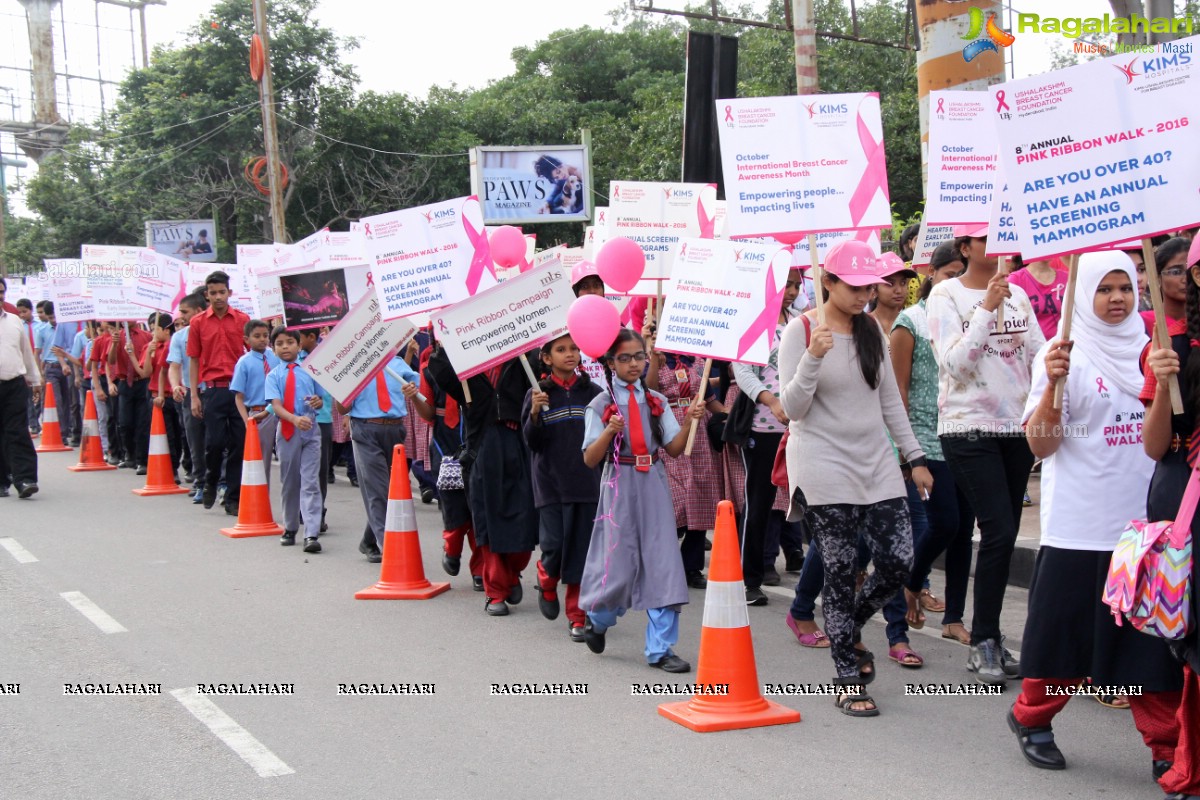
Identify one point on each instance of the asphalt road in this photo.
(194, 607)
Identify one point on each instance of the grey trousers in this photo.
(373, 446)
(193, 428)
(299, 480)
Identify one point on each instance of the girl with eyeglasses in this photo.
(632, 560)
(696, 480)
(1170, 259)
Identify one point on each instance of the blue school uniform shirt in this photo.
(177, 354)
(366, 403)
(249, 377)
(43, 338)
(326, 412)
(276, 386)
(593, 425)
(79, 345)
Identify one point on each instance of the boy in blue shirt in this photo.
(295, 398)
(249, 387)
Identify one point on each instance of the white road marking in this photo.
(93, 612)
(22, 555)
(237, 738)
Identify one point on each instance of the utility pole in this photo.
(5, 162)
(804, 29)
(270, 133)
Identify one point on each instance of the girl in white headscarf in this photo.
(1095, 475)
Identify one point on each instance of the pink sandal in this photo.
(816, 639)
(901, 652)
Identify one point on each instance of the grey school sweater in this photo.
(838, 450)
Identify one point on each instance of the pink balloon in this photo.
(621, 264)
(508, 246)
(594, 323)
(789, 238)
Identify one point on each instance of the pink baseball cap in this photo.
(583, 270)
(976, 230)
(890, 264)
(1194, 252)
(853, 262)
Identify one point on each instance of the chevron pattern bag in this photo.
(1150, 576)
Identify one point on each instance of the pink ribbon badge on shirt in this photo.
(874, 177)
(1100, 387)
(1001, 105)
(765, 321)
(481, 259)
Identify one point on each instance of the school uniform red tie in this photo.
(382, 394)
(289, 401)
(267, 368)
(637, 437)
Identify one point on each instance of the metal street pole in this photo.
(270, 134)
(804, 31)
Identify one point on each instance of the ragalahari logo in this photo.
(996, 37)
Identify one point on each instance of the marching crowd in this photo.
(896, 414)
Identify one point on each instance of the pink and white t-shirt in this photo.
(1100, 456)
(1046, 299)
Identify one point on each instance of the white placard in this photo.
(506, 320)
(161, 285)
(806, 164)
(429, 257)
(928, 240)
(357, 348)
(1103, 151)
(963, 162)
(724, 300)
(71, 302)
(658, 215)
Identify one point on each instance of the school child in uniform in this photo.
(153, 367)
(295, 399)
(133, 396)
(696, 480)
(633, 560)
(448, 440)
(105, 394)
(179, 371)
(496, 468)
(249, 386)
(308, 342)
(565, 490)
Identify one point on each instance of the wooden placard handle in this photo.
(1160, 320)
(1068, 309)
(1002, 269)
(816, 278)
(691, 440)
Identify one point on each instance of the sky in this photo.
(403, 47)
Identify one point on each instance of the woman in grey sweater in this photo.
(840, 394)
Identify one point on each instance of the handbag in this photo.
(450, 472)
(1150, 576)
(779, 475)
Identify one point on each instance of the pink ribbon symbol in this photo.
(482, 258)
(367, 230)
(1000, 104)
(442, 326)
(1100, 387)
(764, 322)
(729, 113)
(370, 281)
(683, 250)
(874, 177)
(941, 109)
(708, 225)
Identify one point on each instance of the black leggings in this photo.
(887, 530)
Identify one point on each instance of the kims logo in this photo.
(996, 37)
(825, 108)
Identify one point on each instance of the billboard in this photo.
(528, 185)
(185, 239)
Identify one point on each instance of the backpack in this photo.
(1150, 576)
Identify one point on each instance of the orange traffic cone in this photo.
(402, 574)
(254, 505)
(51, 434)
(91, 450)
(160, 477)
(726, 649)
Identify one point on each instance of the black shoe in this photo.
(371, 552)
(3, 491)
(755, 596)
(27, 490)
(232, 508)
(771, 577)
(548, 605)
(793, 561)
(696, 580)
(288, 538)
(497, 608)
(311, 544)
(332, 478)
(477, 583)
(141, 469)
(672, 663)
(210, 496)
(427, 496)
(354, 482)
(1008, 664)
(128, 463)
(516, 593)
(1037, 745)
(112, 460)
(595, 641)
(1182, 796)
(451, 564)
(1159, 768)
(707, 544)
(576, 632)
(324, 526)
